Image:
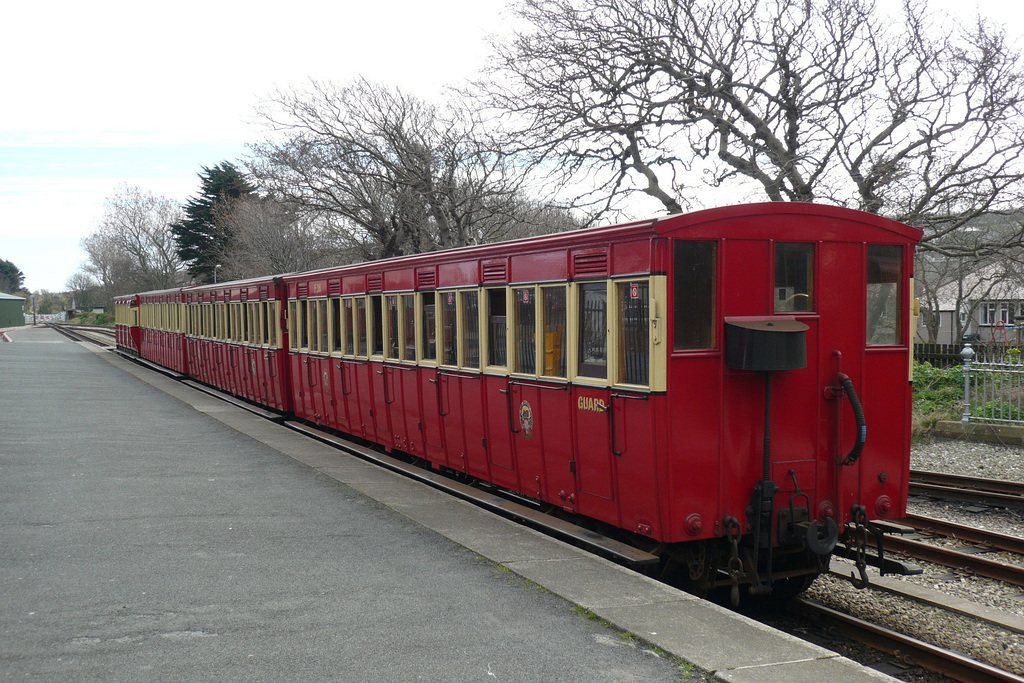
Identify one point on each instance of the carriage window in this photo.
(322, 327)
(337, 339)
(449, 330)
(359, 327)
(694, 295)
(593, 330)
(273, 321)
(393, 330)
(313, 323)
(264, 323)
(377, 324)
(302, 325)
(408, 341)
(554, 331)
(220, 315)
(497, 343)
(634, 327)
(428, 326)
(884, 295)
(794, 277)
(350, 327)
(470, 329)
(525, 330)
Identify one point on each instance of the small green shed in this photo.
(12, 310)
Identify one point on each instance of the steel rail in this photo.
(89, 333)
(955, 665)
(991, 539)
(993, 569)
(960, 481)
(967, 495)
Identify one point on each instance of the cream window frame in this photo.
(439, 296)
(512, 321)
(485, 329)
(542, 324)
(420, 327)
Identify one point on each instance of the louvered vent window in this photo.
(591, 264)
(495, 272)
(426, 279)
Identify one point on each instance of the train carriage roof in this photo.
(830, 222)
(743, 220)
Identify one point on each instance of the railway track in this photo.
(940, 660)
(104, 336)
(978, 491)
(957, 558)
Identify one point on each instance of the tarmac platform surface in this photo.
(150, 539)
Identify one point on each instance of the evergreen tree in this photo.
(11, 278)
(202, 236)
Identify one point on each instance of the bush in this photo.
(938, 395)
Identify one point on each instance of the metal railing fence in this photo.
(993, 391)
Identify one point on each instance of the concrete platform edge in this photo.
(730, 646)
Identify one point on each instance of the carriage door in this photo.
(541, 413)
(594, 461)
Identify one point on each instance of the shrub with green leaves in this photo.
(938, 395)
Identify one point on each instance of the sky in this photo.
(97, 95)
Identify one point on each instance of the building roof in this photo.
(11, 296)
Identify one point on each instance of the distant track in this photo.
(97, 334)
(992, 492)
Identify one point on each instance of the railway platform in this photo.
(151, 532)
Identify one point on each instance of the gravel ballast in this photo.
(978, 639)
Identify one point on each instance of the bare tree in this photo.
(798, 100)
(268, 237)
(388, 173)
(133, 249)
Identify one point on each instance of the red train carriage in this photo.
(233, 338)
(126, 323)
(623, 374)
(161, 322)
(704, 384)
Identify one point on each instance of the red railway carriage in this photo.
(161, 335)
(233, 339)
(126, 323)
(702, 385)
(624, 374)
